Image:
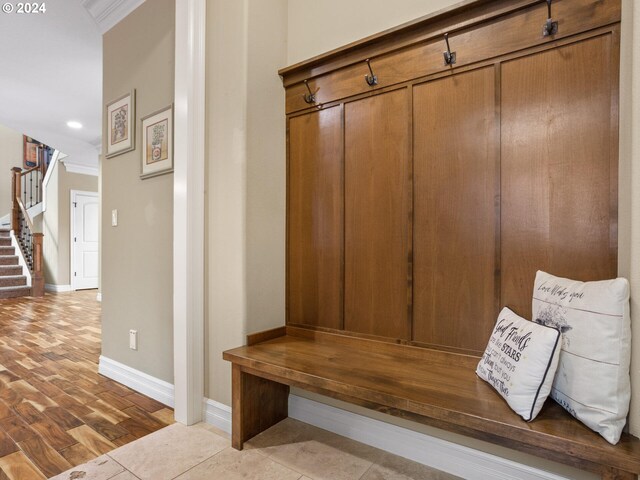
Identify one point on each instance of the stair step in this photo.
(6, 270)
(5, 241)
(7, 250)
(13, 292)
(13, 281)
(8, 259)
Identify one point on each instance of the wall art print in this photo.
(157, 143)
(121, 125)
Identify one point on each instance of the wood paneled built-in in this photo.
(416, 54)
(315, 220)
(432, 387)
(377, 215)
(423, 204)
(456, 183)
(559, 212)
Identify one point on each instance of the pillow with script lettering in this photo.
(520, 362)
(592, 382)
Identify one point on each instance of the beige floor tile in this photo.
(169, 452)
(126, 475)
(313, 452)
(231, 464)
(392, 467)
(102, 468)
(215, 430)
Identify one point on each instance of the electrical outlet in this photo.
(133, 339)
(114, 217)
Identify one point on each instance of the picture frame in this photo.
(157, 143)
(121, 129)
(31, 152)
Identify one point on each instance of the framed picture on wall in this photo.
(157, 143)
(31, 152)
(121, 129)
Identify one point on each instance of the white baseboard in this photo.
(99, 296)
(57, 288)
(446, 456)
(139, 381)
(449, 457)
(217, 414)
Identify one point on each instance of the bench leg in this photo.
(615, 474)
(257, 405)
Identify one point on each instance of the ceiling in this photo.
(52, 73)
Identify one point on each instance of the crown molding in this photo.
(107, 13)
(81, 169)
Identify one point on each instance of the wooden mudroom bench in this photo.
(432, 169)
(428, 386)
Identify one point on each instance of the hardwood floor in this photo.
(56, 411)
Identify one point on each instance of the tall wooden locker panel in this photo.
(456, 213)
(559, 166)
(315, 219)
(377, 215)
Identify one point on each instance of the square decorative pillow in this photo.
(592, 382)
(520, 361)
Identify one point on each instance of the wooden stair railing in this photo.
(30, 241)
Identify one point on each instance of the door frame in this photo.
(188, 211)
(72, 224)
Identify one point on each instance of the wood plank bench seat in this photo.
(431, 387)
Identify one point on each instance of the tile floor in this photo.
(290, 450)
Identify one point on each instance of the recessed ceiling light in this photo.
(74, 124)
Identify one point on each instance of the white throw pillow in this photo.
(520, 361)
(592, 382)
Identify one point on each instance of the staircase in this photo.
(12, 282)
(26, 196)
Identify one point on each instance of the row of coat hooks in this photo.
(549, 28)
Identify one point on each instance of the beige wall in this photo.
(10, 156)
(246, 44)
(316, 27)
(137, 255)
(629, 198)
(56, 222)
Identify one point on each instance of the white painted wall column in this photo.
(188, 210)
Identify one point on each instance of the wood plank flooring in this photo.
(56, 411)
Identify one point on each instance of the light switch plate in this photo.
(114, 218)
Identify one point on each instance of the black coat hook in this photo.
(309, 97)
(371, 79)
(449, 56)
(550, 27)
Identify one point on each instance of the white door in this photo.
(84, 261)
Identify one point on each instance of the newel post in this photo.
(15, 194)
(37, 277)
